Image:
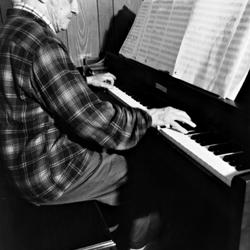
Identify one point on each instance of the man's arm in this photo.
(63, 91)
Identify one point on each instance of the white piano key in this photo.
(214, 164)
(126, 98)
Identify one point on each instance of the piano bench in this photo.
(24, 226)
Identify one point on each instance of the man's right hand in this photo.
(171, 118)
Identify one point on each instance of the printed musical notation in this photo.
(203, 42)
(130, 46)
(157, 32)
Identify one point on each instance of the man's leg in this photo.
(109, 180)
(101, 181)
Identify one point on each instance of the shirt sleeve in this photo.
(63, 91)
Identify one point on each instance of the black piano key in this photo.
(199, 129)
(224, 148)
(233, 157)
(239, 160)
(205, 139)
(242, 166)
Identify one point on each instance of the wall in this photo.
(101, 25)
(4, 5)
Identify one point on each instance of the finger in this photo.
(109, 86)
(189, 122)
(182, 114)
(106, 85)
(109, 80)
(110, 75)
(97, 83)
(178, 127)
(185, 118)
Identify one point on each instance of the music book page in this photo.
(155, 40)
(132, 41)
(163, 34)
(214, 53)
(203, 42)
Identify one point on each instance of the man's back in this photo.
(42, 90)
(28, 133)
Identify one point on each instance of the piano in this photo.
(207, 171)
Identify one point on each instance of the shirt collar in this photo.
(24, 6)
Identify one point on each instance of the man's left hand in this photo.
(104, 80)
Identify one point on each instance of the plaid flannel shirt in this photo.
(40, 91)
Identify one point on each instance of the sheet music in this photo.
(212, 51)
(155, 39)
(203, 42)
(240, 50)
(132, 41)
(175, 29)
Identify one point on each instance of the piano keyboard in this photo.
(213, 162)
(122, 96)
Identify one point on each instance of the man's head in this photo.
(59, 12)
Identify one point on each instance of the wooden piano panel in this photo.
(202, 212)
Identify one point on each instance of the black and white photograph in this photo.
(124, 124)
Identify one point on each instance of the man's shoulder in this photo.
(30, 34)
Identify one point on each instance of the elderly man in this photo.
(54, 130)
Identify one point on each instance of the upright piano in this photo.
(207, 171)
